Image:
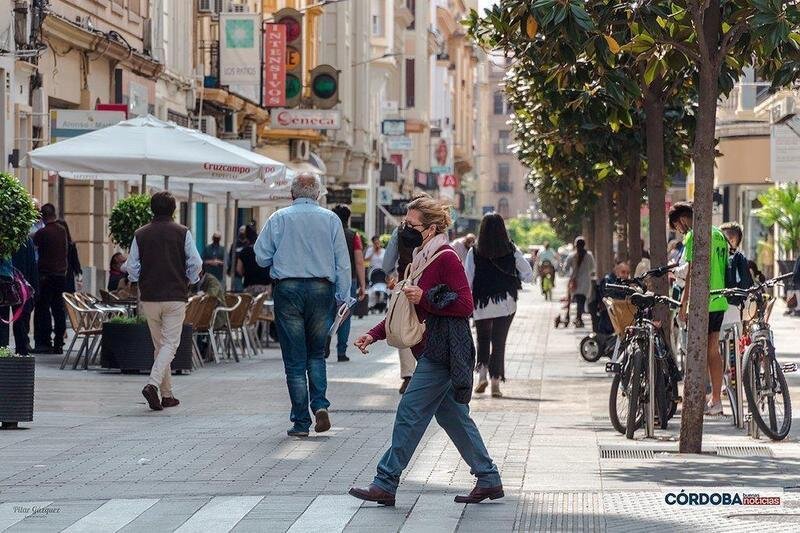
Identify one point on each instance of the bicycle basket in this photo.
(621, 312)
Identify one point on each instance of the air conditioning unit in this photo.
(299, 150)
(191, 97)
(147, 37)
(781, 109)
(209, 6)
(236, 7)
(208, 125)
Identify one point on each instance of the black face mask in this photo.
(411, 237)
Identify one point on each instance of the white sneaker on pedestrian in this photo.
(713, 409)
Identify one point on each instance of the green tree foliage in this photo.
(128, 215)
(526, 232)
(781, 207)
(17, 214)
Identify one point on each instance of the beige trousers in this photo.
(165, 320)
(407, 363)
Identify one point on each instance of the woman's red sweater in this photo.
(446, 269)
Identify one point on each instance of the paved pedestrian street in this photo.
(96, 459)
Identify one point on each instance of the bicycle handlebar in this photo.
(759, 287)
(629, 291)
(654, 273)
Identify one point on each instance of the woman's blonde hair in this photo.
(434, 213)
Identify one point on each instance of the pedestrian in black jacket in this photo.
(24, 260)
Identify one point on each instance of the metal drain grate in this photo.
(744, 451)
(625, 453)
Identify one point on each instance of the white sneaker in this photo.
(713, 409)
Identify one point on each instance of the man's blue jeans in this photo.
(303, 318)
(431, 393)
(343, 335)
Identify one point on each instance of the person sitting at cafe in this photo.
(116, 275)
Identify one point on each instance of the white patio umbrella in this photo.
(147, 146)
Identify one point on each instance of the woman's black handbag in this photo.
(10, 293)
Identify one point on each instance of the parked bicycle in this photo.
(762, 376)
(631, 387)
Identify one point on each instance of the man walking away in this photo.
(355, 248)
(463, 245)
(164, 261)
(214, 257)
(52, 244)
(305, 247)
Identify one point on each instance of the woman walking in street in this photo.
(495, 269)
(434, 389)
(580, 265)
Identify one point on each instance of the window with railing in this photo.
(503, 208)
(503, 178)
(503, 140)
(499, 103)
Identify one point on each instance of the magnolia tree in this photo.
(655, 57)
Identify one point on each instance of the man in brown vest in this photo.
(164, 261)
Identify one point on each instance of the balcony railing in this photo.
(503, 186)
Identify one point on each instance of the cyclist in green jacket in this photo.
(680, 219)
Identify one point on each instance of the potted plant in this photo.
(16, 388)
(126, 344)
(127, 216)
(17, 215)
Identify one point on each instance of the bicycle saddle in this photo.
(643, 301)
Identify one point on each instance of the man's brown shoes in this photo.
(479, 494)
(150, 394)
(323, 421)
(373, 493)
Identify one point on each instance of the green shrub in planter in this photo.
(16, 388)
(17, 214)
(128, 215)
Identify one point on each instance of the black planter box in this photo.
(16, 389)
(130, 347)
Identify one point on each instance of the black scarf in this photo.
(495, 279)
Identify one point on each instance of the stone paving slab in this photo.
(93, 442)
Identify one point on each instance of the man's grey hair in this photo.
(305, 185)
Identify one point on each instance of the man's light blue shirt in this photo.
(133, 266)
(305, 240)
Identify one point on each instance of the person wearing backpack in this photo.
(433, 391)
(738, 272)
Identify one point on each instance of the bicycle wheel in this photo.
(638, 376)
(767, 393)
(590, 349)
(618, 401)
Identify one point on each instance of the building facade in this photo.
(502, 185)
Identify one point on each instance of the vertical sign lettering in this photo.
(274, 65)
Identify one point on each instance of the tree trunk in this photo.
(694, 388)
(634, 206)
(621, 215)
(604, 231)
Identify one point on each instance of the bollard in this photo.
(651, 372)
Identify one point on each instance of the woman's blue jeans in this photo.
(431, 393)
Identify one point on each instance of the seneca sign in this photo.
(306, 119)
